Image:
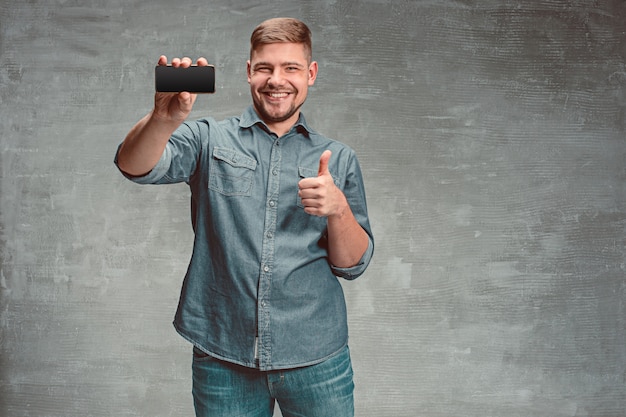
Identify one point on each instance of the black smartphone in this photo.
(194, 79)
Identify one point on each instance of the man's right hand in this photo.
(175, 107)
(143, 146)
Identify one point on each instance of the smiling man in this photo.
(279, 77)
(279, 214)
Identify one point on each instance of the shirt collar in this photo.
(250, 118)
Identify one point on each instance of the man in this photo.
(279, 212)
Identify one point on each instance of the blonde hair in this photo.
(281, 30)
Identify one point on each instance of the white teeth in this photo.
(278, 95)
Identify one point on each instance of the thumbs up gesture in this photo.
(320, 196)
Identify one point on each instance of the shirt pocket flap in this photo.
(234, 158)
(307, 172)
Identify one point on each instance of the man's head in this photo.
(281, 30)
(280, 70)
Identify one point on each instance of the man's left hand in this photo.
(320, 196)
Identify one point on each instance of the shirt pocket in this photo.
(231, 172)
(308, 173)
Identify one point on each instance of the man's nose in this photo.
(276, 78)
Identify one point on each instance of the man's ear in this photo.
(312, 73)
(248, 69)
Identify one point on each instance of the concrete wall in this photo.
(491, 135)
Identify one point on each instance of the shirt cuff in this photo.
(357, 270)
(152, 177)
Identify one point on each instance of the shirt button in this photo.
(270, 235)
(275, 172)
(266, 268)
(272, 203)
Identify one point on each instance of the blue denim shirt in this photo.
(260, 290)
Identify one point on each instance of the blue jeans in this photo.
(222, 389)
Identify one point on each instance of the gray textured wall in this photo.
(491, 134)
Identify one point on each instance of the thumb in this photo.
(186, 101)
(185, 98)
(323, 169)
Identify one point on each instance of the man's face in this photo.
(279, 75)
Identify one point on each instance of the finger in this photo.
(162, 60)
(323, 169)
(176, 62)
(306, 193)
(202, 62)
(308, 183)
(185, 62)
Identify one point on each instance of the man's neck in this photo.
(282, 128)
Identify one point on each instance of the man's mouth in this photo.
(277, 95)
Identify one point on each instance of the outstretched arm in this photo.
(143, 146)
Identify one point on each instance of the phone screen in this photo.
(194, 79)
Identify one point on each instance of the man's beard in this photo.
(269, 117)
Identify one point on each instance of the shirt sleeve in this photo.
(354, 191)
(357, 270)
(153, 176)
(178, 160)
